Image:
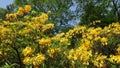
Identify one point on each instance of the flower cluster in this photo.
(35, 60)
(21, 11)
(96, 40)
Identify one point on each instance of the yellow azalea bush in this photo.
(98, 47)
(27, 40)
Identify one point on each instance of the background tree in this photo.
(116, 8)
(2, 13)
(10, 8)
(92, 10)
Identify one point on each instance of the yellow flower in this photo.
(69, 57)
(11, 16)
(33, 12)
(49, 12)
(5, 30)
(51, 52)
(47, 26)
(24, 31)
(88, 44)
(64, 41)
(27, 51)
(27, 8)
(6, 22)
(118, 50)
(104, 41)
(44, 41)
(37, 60)
(26, 60)
(7, 16)
(58, 36)
(71, 53)
(75, 57)
(96, 38)
(115, 59)
(20, 11)
(58, 49)
(1, 53)
(99, 61)
(43, 17)
(40, 57)
(90, 37)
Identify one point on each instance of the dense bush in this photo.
(27, 40)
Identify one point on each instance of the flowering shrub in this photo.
(26, 41)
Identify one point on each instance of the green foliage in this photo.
(105, 10)
(2, 13)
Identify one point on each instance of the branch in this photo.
(5, 59)
(116, 9)
(16, 50)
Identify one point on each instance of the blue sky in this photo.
(4, 3)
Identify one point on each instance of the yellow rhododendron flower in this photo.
(26, 60)
(118, 50)
(99, 61)
(47, 26)
(27, 51)
(44, 41)
(49, 12)
(115, 59)
(28, 8)
(64, 41)
(51, 52)
(20, 11)
(11, 16)
(43, 17)
(37, 60)
(104, 41)
(1, 53)
(5, 30)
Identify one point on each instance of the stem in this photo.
(19, 58)
(116, 9)
(16, 50)
(5, 59)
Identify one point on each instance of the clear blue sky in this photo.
(4, 3)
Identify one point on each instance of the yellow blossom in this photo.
(26, 60)
(45, 42)
(27, 51)
(20, 11)
(65, 41)
(11, 16)
(28, 8)
(43, 17)
(97, 38)
(24, 31)
(1, 53)
(5, 30)
(99, 61)
(104, 41)
(118, 50)
(58, 49)
(51, 52)
(47, 26)
(37, 60)
(115, 59)
(49, 12)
